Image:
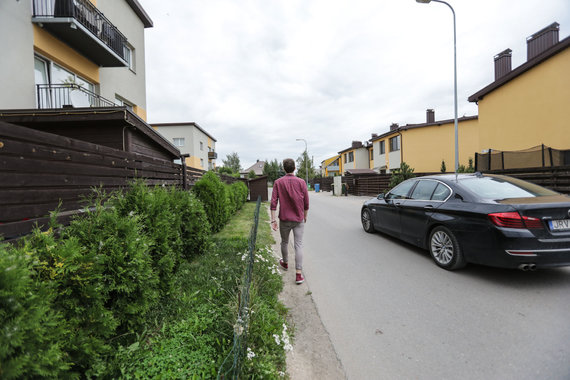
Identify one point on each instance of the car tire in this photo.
(366, 220)
(445, 249)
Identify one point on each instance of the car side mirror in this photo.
(381, 196)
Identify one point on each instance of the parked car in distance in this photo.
(485, 219)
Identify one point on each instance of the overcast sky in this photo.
(259, 74)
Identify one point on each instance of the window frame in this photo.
(397, 140)
(180, 139)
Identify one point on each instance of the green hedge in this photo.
(30, 329)
(220, 200)
(134, 288)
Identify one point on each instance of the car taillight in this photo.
(514, 220)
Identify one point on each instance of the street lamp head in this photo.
(423, 1)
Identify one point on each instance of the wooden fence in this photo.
(555, 178)
(40, 172)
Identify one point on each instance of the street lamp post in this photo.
(306, 163)
(454, 76)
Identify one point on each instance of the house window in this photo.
(129, 54)
(383, 147)
(201, 162)
(201, 145)
(58, 87)
(123, 103)
(345, 156)
(350, 156)
(394, 144)
(371, 154)
(178, 141)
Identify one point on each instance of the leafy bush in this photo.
(30, 330)
(214, 196)
(400, 175)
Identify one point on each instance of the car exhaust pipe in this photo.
(527, 267)
(532, 267)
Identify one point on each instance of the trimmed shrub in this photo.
(239, 194)
(119, 251)
(194, 225)
(214, 196)
(154, 207)
(30, 331)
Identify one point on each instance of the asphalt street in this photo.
(393, 314)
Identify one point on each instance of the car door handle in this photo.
(428, 207)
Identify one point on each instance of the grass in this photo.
(241, 223)
(195, 332)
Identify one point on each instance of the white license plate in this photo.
(560, 225)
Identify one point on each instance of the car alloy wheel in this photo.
(445, 249)
(367, 221)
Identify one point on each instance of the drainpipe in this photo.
(401, 148)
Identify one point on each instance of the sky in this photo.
(259, 74)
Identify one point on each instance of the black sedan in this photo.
(473, 218)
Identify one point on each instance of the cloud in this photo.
(259, 74)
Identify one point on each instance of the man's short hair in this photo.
(289, 165)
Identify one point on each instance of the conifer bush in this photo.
(238, 192)
(154, 206)
(30, 330)
(214, 196)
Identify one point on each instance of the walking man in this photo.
(293, 198)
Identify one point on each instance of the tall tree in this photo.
(305, 163)
(272, 170)
(232, 162)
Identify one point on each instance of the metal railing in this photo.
(68, 95)
(88, 16)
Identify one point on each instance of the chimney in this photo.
(356, 144)
(503, 63)
(394, 126)
(542, 40)
(430, 116)
(374, 135)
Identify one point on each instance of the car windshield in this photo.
(504, 188)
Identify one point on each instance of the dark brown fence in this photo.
(40, 172)
(555, 178)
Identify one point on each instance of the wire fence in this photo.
(231, 366)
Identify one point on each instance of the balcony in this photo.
(68, 96)
(212, 155)
(82, 26)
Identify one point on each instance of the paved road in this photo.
(392, 314)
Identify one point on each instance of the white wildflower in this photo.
(250, 354)
(277, 340)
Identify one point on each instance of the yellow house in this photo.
(530, 105)
(331, 166)
(356, 157)
(424, 146)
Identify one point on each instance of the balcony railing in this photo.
(212, 155)
(68, 95)
(51, 12)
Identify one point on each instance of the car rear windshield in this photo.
(497, 188)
